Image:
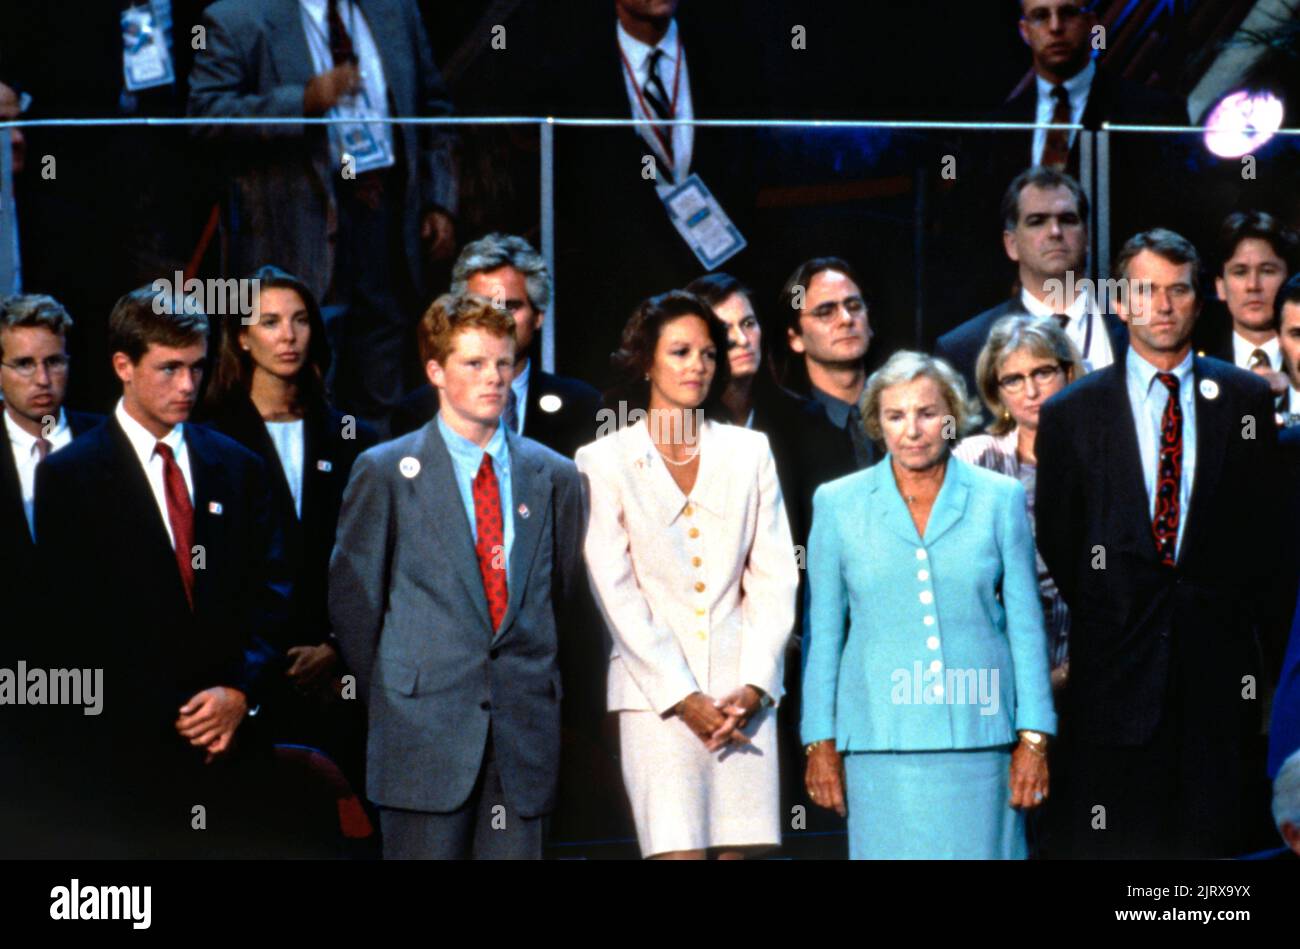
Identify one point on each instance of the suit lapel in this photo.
(10, 487)
(892, 507)
(293, 62)
(439, 498)
(530, 491)
(1214, 421)
(211, 500)
(950, 503)
(1123, 462)
(385, 30)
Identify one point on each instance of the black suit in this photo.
(563, 428)
(98, 525)
(960, 347)
(1161, 732)
(614, 238)
(338, 727)
(17, 552)
(1112, 98)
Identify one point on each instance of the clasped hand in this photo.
(720, 722)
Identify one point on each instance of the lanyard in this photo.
(665, 144)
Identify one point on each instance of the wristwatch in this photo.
(1036, 741)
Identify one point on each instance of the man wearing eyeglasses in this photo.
(1068, 87)
(33, 379)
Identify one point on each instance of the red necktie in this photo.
(1056, 151)
(180, 512)
(1170, 474)
(341, 50)
(491, 539)
(42, 447)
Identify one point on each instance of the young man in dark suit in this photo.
(33, 381)
(166, 530)
(557, 411)
(1149, 477)
(1045, 233)
(458, 549)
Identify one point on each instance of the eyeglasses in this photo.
(1040, 16)
(26, 367)
(856, 306)
(1041, 376)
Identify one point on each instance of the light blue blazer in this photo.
(933, 643)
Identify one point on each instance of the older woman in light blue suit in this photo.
(927, 698)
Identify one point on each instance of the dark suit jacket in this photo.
(612, 228)
(327, 462)
(1129, 617)
(562, 429)
(1112, 98)
(1284, 734)
(960, 347)
(407, 602)
(16, 547)
(281, 207)
(98, 526)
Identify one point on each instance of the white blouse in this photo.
(287, 437)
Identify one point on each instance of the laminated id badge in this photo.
(703, 224)
(146, 61)
(362, 140)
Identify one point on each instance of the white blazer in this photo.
(698, 591)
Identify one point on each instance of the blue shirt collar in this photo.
(466, 452)
(1145, 373)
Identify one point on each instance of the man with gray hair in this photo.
(558, 412)
(1286, 804)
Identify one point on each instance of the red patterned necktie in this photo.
(180, 512)
(491, 540)
(1056, 150)
(1170, 474)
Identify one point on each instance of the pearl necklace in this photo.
(677, 463)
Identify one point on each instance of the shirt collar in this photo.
(520, 382)
(25, 441)
(142, 440)
(836, 409)
(1079, 306)
(1145, 373)
(465, 451)
(1242, 348)
(1076, 85)
(636, 51)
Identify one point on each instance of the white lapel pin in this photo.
(1209, 388)
(409, 467)
(214, 507)
(324, 464)
(550, 403)
(523, 511)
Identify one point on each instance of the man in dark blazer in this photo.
(458, 547)
(1149, 475)
(559, 412)
(360, 237)
(614, 238)
(165, 530)
(1045, 233)
(1069, 88)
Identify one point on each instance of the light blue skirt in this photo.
(932, 805)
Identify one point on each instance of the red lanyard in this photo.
(636, 87)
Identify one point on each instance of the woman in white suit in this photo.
(692, 564)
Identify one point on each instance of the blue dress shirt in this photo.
(466, 457)
(1147, 397)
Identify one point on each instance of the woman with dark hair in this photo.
(691, 561)
(266, 392)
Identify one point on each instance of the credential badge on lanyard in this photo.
(146, 60)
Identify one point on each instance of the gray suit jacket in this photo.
(408, 608)
(280, 207)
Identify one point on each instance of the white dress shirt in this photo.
(637, 56)
(143, 443)
(1085, 321)
(1078, 87)
(287, 437)
(316, 25)
(1242, 348)
(26, 458)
